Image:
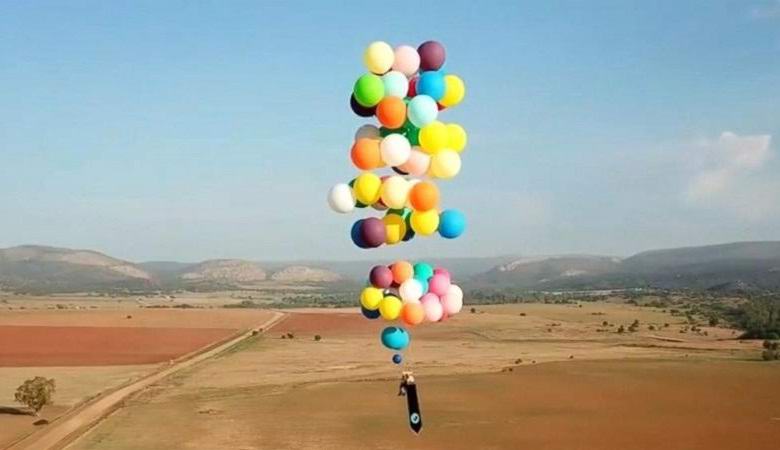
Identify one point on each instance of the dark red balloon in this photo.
(432, 55)
(412, 87)
(381, 277)
(359, 109)
(373, 232)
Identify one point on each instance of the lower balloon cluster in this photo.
(411, 294)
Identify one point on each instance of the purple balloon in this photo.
(360, 110)
(432, 55)
(373, 232)
(381, 277)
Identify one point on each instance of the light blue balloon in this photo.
(396, 84)
(395, 338)
(431, 83)
(422, 110)
(452, 223)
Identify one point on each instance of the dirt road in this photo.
(68, 428)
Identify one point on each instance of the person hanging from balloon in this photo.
(406, 89)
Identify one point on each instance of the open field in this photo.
(482, 382)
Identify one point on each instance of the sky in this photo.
(183, 130)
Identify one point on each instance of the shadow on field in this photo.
(14, 411)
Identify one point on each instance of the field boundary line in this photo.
(77, 422)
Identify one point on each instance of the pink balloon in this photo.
(418, 163)
(407, 60)
(442, 271)
(432, 307)
(439, 284)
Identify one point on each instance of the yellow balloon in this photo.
(367, 188)
(433, 137)
(454, 91)
(379, 57)
(456, 137)
(371, 298)
(425, 222)
(390, 307)
(445, 164)
(395, 226)
(395, 191)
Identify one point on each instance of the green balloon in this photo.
(423, 271)
(412, 133)
(369, 90)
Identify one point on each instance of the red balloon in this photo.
(432, 55)
(381, 277)
(412, 87)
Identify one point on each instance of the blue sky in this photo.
(193, 130)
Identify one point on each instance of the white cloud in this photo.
(730, 173)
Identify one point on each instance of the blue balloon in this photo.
(356, 235)
(397, 358)
(423, 282)
(432, 84)
(452, 223)
(368, 314)
(395, 338)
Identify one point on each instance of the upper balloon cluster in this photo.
(405, 90)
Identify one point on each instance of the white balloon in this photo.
(452, 301)
(411, 290)
(395, 149)
(341, 199)
(422, 110)
(455, 291)
(367, 131)
(396, 84)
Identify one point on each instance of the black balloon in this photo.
(359, 109)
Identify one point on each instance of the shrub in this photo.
(36, 393)
(621, 329)
(290, 336)
(473, 310)
(317, 337)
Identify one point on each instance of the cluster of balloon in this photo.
(412, 294)
(405, 89)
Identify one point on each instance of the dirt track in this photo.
(69, 427)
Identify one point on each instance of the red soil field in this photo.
(22, 346)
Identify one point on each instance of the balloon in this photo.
(397, 358)
(368, 314)
(369, 90)
(432, 307)
(452, 301)
(395, 228)
(433, 137)
(360, 110)
(438, 284)
(417, 164)
(412, 133)
(432, 84)
(454, 91)
(412, 313)
(412, 92)
(381, 277)
(423, 282)
(391, 112)
(456, 137)
(425, 222)
(373, 232)
(340, 198)
(395, 338)
(432, 55)
(367, 188)
(424, 196)
(452, 223)
(402, 271)
(422, 110)
(371, 297)
(407, 60)
(390, 307)
(395, 149)
(441, 271)
(355, 233)
(367, 131)
(396, 84)
(379, 57)
(365, 154)
(423, 270)
(411, 290)
(395, 191)
(445, 164)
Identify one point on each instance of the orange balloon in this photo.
(365, 154)
(391, 112)
(412, 313)
(424, 196)
(402, 271)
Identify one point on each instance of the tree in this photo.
(36, 393)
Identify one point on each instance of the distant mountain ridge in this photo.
(735, 266)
